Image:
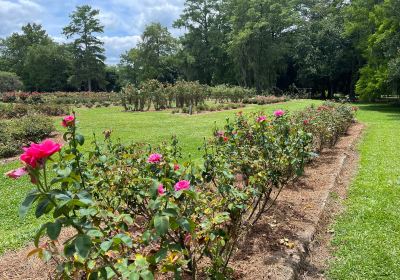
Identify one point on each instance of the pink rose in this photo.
(306, 122)
(220, 133)
(161, 190)
(279, 113)
(36, 153)
(15, 174)
(261, 119)
(182, 185)
(68, 121)
(176, 167)
(154, 158)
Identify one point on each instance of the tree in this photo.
(153, 58)
(204, 55)
(88, 49)
(156, 54)
(14, 48)
(260, 39)
(47, 67)
(324, 55)
(9, 82)
(375, 26)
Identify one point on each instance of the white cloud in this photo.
(116, 45)
(14, 14)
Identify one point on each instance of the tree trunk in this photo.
(89, 85)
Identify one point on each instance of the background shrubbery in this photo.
(21, 131)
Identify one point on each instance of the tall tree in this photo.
(157, 50)
(260, 39)
(153, 58)
(204, 56)
(88, 49)
(324, 55)
(13, 49)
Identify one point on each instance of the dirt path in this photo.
(278, 247)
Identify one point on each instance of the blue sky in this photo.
(124, 20)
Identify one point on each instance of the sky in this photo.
(123, 20)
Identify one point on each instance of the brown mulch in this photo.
(276, 244)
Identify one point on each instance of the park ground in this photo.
(366, 240)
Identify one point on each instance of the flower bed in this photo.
(138, 213)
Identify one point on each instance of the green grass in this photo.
(367, 237)
(151, 127)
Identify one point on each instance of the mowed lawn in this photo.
(151, 127)
(367, 235)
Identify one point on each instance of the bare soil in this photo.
(290, 242)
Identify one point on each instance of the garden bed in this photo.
(275, 248)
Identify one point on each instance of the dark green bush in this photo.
(9, 82)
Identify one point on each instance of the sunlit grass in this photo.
(368, 233)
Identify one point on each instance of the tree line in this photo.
(327, 46)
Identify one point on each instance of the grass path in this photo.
(152, 127)
(367, 235)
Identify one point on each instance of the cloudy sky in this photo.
(124, 20)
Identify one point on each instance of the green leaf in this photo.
(83, 244)
(54, 229)
(43, 207)
(64, 172)
(160, 255)
(27, 204)
(80, 139)
(105, 246)
(69, 249)
(146, 275)
(38, 235)
(94, 233)
(161, 223)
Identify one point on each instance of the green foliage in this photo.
(88, 50)
(9, 82)
(378, 22)
(18, 132)
(47, 67)
(151, 226)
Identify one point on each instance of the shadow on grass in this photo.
(392, 110)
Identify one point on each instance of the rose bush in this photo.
(134, 212)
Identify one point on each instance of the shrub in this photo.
(137, 213)
(9, 82)
(8, 146)
(32, 128)
(9, 97)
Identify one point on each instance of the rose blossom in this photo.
(220, 133)
(68, 121)
(38, 152)
(306, 122)
(225, 139)
(15, 174)
(279, 113)
(161, 190)
(261, 119)
(176, 167)
(182, 185)
(154, 158)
